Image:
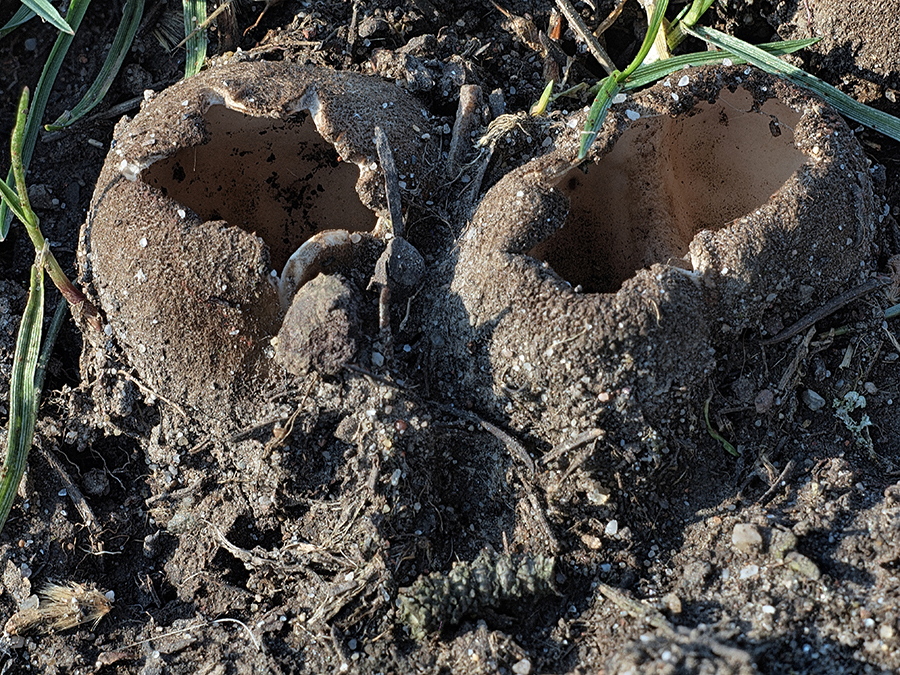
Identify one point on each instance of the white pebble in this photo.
(619, 98)
(522, 667)
(612, 527)
(632, 115)
(746, 537)
(683, 82)
(749, 571)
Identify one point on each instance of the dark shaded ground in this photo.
(239, 547)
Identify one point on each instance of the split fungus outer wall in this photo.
(518, 340)
(187, 292)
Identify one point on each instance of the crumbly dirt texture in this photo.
(489, 486)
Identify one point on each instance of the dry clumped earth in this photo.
(399, 509)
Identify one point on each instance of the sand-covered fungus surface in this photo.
(489, 410)
(600, 293)
(224, 195)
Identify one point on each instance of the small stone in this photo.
(746, 538)
(319, 327)
(592, 542)
(152, 545)
(96, 482)
(372, 26)
(782, 542)
(812, 400)
(749, 571)
(522, 667)
(40, 196)
(803, 565)
(405, 265)
(673, 603)
(886, 632)
(612, 527)
(764, 401)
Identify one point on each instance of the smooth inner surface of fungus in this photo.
(665, 180)
(279, 179)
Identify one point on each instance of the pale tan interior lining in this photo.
(278, 179)
(665, 180)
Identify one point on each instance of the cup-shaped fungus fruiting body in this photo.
(219, 185)
(719, 205)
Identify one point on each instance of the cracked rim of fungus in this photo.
(227, 192)
(719, 201)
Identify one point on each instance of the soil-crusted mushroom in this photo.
(721, 202)
(224, 195)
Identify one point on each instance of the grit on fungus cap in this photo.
(205, 197)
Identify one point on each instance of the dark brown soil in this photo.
(387, 517)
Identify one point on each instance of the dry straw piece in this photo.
(63, 606)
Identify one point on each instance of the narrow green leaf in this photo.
(23, 395)
(875, 119)
(715, 434)
(22, 16)
(77, 8)
(40, 372)
(194, 16)
(49, 14)
(689, 16)
(540, 107)
(659, 13)
(11, 199)
(609, 87)
(20, 206)
(649, 73)
(16, 143)
(131, 19)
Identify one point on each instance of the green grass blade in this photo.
(77, 8)
(540, 107)
(875, 119)
(49, 14)
(659, 13)
(131, 19)
(11, 199)
(23, 15)
(609, 87)
(715, 434)
(689, 16)
(651, 72)
(40, 372)
(23, 394)
(194, 15)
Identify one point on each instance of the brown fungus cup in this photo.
(220, 199)
(721, 204)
